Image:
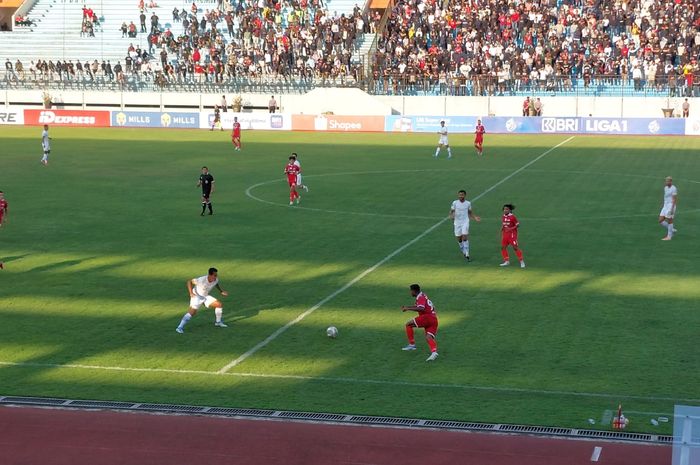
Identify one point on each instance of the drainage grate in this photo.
(617, 435)
(458, 425)
(33, 400)
(548, 430)
(312, 416)
(384, 420)
(100, 404)
(246, 412)
(170, 408)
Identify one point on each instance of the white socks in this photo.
(669, 227)
(449, 151)
(218, 312)
(437, 151)
(465, 247)
(184, 320)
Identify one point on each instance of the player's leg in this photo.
(437, 150)
(465, 240)
(449, 151)
(410, 325)
(218, 307)
(195, 303)
(45, 157)
(504, 252)
(205, 200)
(211, 209)
(430, 337)
(518, 253)
(666, 222)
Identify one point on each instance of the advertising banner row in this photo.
(337, 123)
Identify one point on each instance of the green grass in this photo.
(100, 243)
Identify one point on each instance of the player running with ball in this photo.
(509, 235)
(426, 319)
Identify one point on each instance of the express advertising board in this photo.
(144, 119)
(67, 118)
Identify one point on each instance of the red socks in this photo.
(409, 333)
(519, 253)
(432, 344)
(504, 252)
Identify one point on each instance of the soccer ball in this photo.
(332, 332)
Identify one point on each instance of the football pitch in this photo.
(99, 244)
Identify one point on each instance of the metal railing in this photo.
(159, 82)
(488, 85)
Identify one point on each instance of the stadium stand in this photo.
(411, 47)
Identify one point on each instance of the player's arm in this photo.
(412, 308)
(452, 213)
(213, 186)
(223, 292)
(674, 202)
(199, 183)
(473, 216)
(189, 287)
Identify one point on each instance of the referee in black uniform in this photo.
(206, 181)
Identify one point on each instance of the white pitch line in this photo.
(596, 453)
(330, 379)
(369, 270)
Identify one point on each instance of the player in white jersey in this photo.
(45, 145)
(461, 212)
(199, 289)
(443, 142)
(668, 211)
(298, 165)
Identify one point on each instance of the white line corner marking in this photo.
(369, 270)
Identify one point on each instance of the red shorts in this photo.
(479, 139)
(292, 181)
(509, 239)
(236, 135)
(428, 322)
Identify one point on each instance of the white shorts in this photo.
(667, 210)
(47, 148)
(197, 301)
(299, 180)
(461, 229)
(443, 141)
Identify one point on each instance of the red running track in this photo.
(37, 436)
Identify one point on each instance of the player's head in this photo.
(294, 155)
(462, 194)
(212, 274)
(46, 127)
(508, 208)
(478, 121)
(205, 170)
(2, 194)
(669, 181)
(415, 289)
(235, 119)
(442, 123)
(292, 158)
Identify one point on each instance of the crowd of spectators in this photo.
(498, 47)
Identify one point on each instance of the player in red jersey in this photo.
(426, 319)
(292, 170)
(3, 208)
(479, 138)
(236, 134)
(509, 235)
(3, 213)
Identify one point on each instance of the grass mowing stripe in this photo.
(504, 389)
(369, 270)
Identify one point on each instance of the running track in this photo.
(30, 436)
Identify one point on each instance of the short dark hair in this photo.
(204, 168)
(294, 154)
(510, 206)
(292, 157)
(213, 270)
(415, 287)
(462, 192)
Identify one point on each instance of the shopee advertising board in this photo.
(259, 121)
(338, 123)
(67, 118)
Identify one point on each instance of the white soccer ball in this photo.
(332, 332)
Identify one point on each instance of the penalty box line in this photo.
(281, 330)
(347, 380)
